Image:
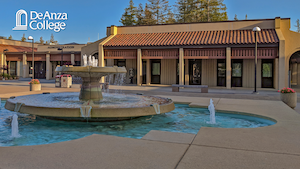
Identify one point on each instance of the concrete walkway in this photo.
(275, 146)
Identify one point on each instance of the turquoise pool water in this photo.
(35, 131)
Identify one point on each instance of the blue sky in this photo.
(88, 18)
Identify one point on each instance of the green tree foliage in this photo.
(148, 17)
(246, 17)
(298, 25)
(129, 16)
(41, 40)
(23, 39)
(140, 15)
(159, 10)
(10, 37)
(201, 11)
(235, 17)
(52, 39)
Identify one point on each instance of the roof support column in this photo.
(187, 76)
(19, 68)
(1, 63)
(148, 72)
(101, 60)
(181, 66)
(139, 67)
(72, 59)
(49, 67)
(275, 81)
(25, 66)
(228, 67)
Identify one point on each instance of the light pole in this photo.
(3, 64)
(255, 30)
(31, 38)
(62, 59)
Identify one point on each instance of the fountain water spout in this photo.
(211, 109)
(15, 127)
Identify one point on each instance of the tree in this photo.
(41, 40)
(140, 15)
(170, 17)
(148, 17)
(159, 10)
(129, 16)
(298, 25)
(246, 17)
(235, 17)
(23, 39)
(201, 11)
(214, 10)
(10, 37)
(52, 39)
(187, 11)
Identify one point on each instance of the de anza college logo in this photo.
(41, 21)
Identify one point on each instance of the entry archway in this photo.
(294, 70)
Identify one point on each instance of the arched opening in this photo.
(294, 70)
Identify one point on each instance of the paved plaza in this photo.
(275, 146)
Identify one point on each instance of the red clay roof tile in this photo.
(223, 37)
(12, 48)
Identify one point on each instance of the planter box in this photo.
(35, 87)
(289, 98)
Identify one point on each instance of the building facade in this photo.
(214, 53)
(18, 58)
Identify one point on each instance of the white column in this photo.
(187, 75)
(72, 59)
(148, 72)
(101, 60)
(139, 67)
(25, 66)
(181, 66)
(48, 67)
(19, 68)
(228, 67)
(276, 69)
(1, 63)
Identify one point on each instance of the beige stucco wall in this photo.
(209, 72)
(289, 44)
(248, 73)
(227, 25)
(168, 71)
(53, 48)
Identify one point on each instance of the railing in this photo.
(249, 53)
(205, 53)
(120, 54)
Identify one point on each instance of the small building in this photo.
(211, 53)
(18, 58)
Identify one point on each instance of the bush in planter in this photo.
(288, 96)
(34, 81)
(35, 85)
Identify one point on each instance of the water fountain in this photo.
(90, 103)
(15, 127)
(211, 109)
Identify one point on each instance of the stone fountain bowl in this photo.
(52, 107)
(89, 71)
(90, 88)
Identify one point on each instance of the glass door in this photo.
(267, 74)
(155, 71)
(237, 72)
(221, 72)
(195, 71)
(39, 70)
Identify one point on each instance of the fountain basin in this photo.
(66, 106)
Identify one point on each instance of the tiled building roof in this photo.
(222, 37)
(12, 48)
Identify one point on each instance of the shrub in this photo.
(287, 90)
(34, 81)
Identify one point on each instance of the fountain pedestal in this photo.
(90, 89)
